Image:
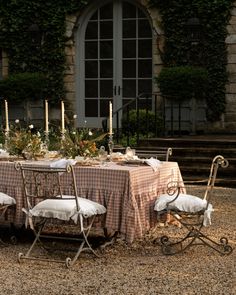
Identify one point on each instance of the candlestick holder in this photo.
(110, 144)
(46, 140)
(6, 140)
(62, 135)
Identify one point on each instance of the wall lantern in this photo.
(194, 30)
(35, 34)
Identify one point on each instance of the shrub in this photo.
(183, 82)
(145, 125)
(23, 86)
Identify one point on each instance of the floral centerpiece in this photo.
(24, 142)
(80, 142)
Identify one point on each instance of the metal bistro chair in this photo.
(193, 213)
(6, 203)
(49, 197)
(160, 153)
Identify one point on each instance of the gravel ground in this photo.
(139, 268)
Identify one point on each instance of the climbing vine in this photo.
(212, 54)
(48, 58)
(16, 16)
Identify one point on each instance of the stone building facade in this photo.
(75, 76)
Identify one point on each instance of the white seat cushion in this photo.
(6, 199)
(65, 209)
(186, 203)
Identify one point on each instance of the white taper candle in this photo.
(62, 117)
(110, 118)
(46, 116)
(6, 116)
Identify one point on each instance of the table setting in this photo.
(122, 182)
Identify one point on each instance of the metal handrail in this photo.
(127, 107)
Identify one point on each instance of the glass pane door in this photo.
(116, 60)
(98, 63)
(136, 53)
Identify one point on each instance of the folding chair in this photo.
(6, 203)
(51, 194)
(159, 153)
(193, 213)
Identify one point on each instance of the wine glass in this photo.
(102, 155)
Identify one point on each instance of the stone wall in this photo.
(229, 117)
(227, 123)
(70, 74)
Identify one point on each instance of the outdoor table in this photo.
(127, 191)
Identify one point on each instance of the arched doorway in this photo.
(113, 58)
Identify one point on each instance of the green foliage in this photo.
(23, 86)
(49, 56)
(80, 142)
(183, 82)
(214, 17)
(24, 142)
(145, 124)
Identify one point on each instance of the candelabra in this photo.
(110, 143)
(46, 140)
(6, 140)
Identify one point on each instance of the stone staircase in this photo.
(195, 153)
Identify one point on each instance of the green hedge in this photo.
(131, 126)
(48, 57)
(212, 52)
(183, 82)
(23, 86)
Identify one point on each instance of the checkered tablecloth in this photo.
(128, 193)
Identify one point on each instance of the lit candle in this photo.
(62, 117)
(46, 116)
(6, 116)
(110, 118)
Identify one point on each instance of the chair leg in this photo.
(222, 247)
(172, 248)
(194, 237)
(85, 245)
(3, 244)
(36, 240)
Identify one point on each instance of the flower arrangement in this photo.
(80, 142)
(24, 142)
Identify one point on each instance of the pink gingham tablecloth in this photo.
(128, 193)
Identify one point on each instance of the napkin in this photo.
(154, 163)
(62, 163)
(3, 153)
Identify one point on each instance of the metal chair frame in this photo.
(193, 222)
(3, 211)
(160, 153)
(42, 183)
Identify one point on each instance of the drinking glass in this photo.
(102, 155)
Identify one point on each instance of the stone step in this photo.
(178, 152)
(220, 181)
(189, 142)
(194, 155)
(200, 161)
(204, 151)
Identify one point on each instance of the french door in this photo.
(114, 59)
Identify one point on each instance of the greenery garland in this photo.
(16, 16)
(214, 17)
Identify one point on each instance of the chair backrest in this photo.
(159, 153)
(218, 161)
(43, 182)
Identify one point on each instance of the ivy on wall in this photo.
(48, 58)
(211, 51)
